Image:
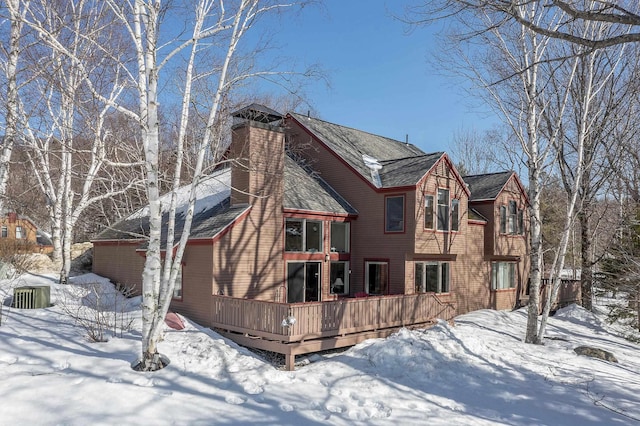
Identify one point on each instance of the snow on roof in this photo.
(211, 191)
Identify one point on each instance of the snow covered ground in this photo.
(474, 373)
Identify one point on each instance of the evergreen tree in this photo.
(619, 274)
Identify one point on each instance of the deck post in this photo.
(290, 361)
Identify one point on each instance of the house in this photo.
(320, 236)
(19, 233)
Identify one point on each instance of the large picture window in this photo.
(431, 277)
(503, 275)
(339, 278)
(376, 277)
(303, 235)
(443, 209)
(394, 213)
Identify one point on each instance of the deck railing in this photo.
(302, 321)
(570, 291)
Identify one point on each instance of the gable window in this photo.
(5, 231)
(394, 213)
(503, 275)
(20, 232)
(303, 235)
(455, 214)
(339, 278)
(340, 237)
(428, 212)
(511, 219)
(376, 277)
(443, 209)
(503, 219)
(431, 277)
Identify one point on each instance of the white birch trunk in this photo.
(11, 118)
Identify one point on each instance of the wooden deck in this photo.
(299, 328)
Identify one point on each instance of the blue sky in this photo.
(380, 78)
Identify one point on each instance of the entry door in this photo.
(303, 282)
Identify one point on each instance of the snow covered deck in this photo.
(299, 328)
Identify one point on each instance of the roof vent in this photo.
(374, 165)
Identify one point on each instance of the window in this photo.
(303, 235)
(432, 277)
(20, 232)
(394, 214)
(521, 221)
(5, 231)
(503, 220)
(340, 237)
(443, 209)
(428, 211)
(511, 219)
(177, 288)
(503, 275)
(339, 278)
(455, 215)
(376, 277)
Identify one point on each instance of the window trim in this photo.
(20, 230)
(511, 219)
(345, 281)
(432, 215)
(513, 272)
(304, 222)
(439, 286)
(455, 201)
(386, 213)
(347, 237)
(447, 214)
(4, 232)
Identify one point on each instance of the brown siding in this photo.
(197, 268)
(11, 222)
(119, 262)
(247, 261)
(368, 239)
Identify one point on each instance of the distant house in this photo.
(18, 232)
(320, 236)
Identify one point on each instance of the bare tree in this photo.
(64, 128)
(210, 51)
(15, 10)
(552, 15)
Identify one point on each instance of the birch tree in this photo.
(67, 142)
(15, 10)
(212, 51)
(510, 69)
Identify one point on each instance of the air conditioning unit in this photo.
(32, 297)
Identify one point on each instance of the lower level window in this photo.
(376, 277)
(432, 277)
(339, 278)
(503, 275)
